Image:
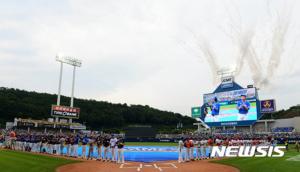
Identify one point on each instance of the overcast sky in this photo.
(142, 51)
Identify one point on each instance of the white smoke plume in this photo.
(208, 53)
(243, 40)
(278, 42)
(210, 57)
(248, 54)
(263, 78)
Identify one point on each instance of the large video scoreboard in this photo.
(227, 108)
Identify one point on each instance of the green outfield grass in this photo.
(151, 144)
(233, 106)
(265, 164)
(12, 161)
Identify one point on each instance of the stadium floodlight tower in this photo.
(226, 72)
(73, 62)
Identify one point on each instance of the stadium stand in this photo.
(283, 129)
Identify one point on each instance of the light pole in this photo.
(73, 84)
(73, 62)
(59, 84)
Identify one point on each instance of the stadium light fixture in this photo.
(69, 60)
(226, 71)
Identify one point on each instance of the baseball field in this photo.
(13, 161)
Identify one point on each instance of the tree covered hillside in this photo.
(95, 114)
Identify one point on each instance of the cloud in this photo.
(133, 51)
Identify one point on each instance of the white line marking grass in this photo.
(294, 158)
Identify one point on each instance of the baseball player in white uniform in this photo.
(180, 151)
(113, 143)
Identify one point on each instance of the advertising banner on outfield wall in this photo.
(78, 127)
(65, 111)
(267, 106)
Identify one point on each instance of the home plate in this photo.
(148, 165)
(156, 166)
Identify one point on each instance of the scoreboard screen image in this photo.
(229, 112)
(237, 105)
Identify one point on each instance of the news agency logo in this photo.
(247, 151)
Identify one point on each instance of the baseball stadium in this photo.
(239, 123)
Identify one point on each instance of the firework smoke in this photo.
(278, 40)
(247, 53)
(208, 53)
(210, 57)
